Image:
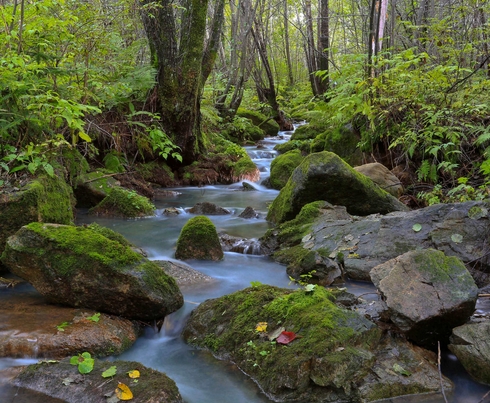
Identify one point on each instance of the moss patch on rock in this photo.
(121, 202)
(44, 199)
(282, 167)
(199, 240)
(269, 126)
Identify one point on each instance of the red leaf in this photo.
(286, 337)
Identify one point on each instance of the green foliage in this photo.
(94, 318)
(109, 372)
(84, 362)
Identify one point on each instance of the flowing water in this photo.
(200, 377)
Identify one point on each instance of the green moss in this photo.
(437, 267)
(199, 240)
(108, 233)
(155, 277)
(282, 167)
(85, 245)
(244, 166)
(270, 126)
(54, 200)
(125, 203)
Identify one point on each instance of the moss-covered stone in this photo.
(77, 266)
(199, 240)
(121, 202)
(325, 176)
(341, 141)
(44, 199)
(91, 188)
(156, 172)
(50, 378)
(331, 359)
(282, 167)
(270, 126)
(302, 145)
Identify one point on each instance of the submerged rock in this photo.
(79, 267)
(199, 240)
(335, 355)
(471, 344)
(325, 176)
(426, 294)
(32, 328)
(249, 212)
(63, 381)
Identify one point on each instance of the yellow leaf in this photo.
(123, 392)
(134, 373)
(261, 327)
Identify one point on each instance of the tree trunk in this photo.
(323, 46)
(182, 65)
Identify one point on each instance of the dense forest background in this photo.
(125, 82)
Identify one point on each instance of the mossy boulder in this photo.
(44, 199)
(78, 267)
(325, 176)
(62, 380)
(342, 141)
(282, 166)
(121, 202)
(471, 344)
(426, 294)
(199, 240)
(269, 126)
(302, 145)
(336, 355)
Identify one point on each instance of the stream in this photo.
(199, 376)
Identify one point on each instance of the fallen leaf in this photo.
(457, 238)
(123, 392)
(111, 371)
(261, 327)
(417, 227)
(286, 337)
(399, 369)
(134, 373)
(276, 333)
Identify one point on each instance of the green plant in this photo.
(61, 327)
(94, 318)
(84, 362)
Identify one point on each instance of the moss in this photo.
(244, 166)
(55, 200)
(85, 246)
(270, 126)
(282, 167)
(108, 233)
(125, 203)
(156, 278)
(199, 240)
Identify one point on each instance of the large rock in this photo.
(337, 355)
(32, 328)
(63, 381)
(325, 176)
(78, 267)
(44, 199)
(471, 344)
(382, 176)
(199, 240)
(268, 125)
(121, 202)
(360, 243)
(426, 294)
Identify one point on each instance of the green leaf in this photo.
(74, 360)
(84, 136)
(49, 169)
(111, 371)
(94, 318)
(86, 366)
(456, 238)
(310, 287)
(399, 369)
(417, 227)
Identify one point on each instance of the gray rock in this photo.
(207, 208)
(63, 381)
(184, 275)
(471, 344)
(364, 242)
(382, 176)
(79, 267)
(426, 294)
(325, 176)
(249, 212)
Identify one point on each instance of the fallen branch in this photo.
(106, 176)
(439, 368)
(484, 397)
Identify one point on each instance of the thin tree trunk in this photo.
(286, 44)
(323, 46)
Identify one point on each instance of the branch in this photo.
(468, 76)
